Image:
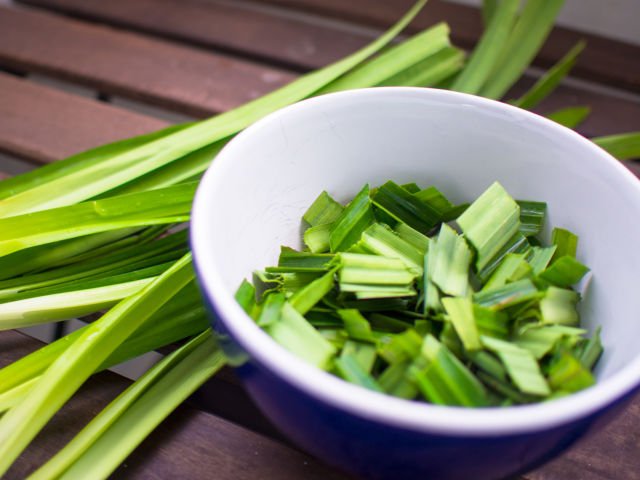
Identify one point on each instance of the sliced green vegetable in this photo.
(558, 306)
(532, 215)
(460, 313)
(294, 332)
(565, 241)
(564, 272)
(449, 259)
(405, 207)
(521, 366)
(323, 210)
(445, 380)
(348, 227)
(490, 222)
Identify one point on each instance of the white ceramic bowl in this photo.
(251, 201)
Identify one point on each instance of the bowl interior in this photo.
(252, 199)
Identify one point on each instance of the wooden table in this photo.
(78, 73)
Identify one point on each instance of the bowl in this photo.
(251, 201)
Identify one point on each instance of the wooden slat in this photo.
(608, 61)
(189, 444)
(41, 124)
(237, 28)
(253, 32)
(184, 79)
(611, 453)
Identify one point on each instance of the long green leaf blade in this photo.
(551, 79)
(529, 33)
(106, 441)
(20, 424)
(487, 52)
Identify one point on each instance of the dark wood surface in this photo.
(42, 124)
(199, 57)
(607, 61)
(114, 62)
(189, 444)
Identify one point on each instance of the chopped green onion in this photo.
(490, 222)
(564, 272)
(460, 313)
(558, 306)
(532, 215)
(521, 366)
(565, 241)
(449, 259)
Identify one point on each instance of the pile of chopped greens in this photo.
(404, 293)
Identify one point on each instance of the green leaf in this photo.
(490, 222)
(291, 260)
(591, 350)
(564, 272)
(67, 373)
(460, 313)
(566, 243)
(540, 257)
(298, 336)
(445, 380)
(323, 210)
(558, 306)
(532, 216)
(381, 240)
(508, 295)
(512, 268)
(405, 207)
(551, 79)
(413, 237)
(363, 353)
(355, 218)
(624, 146)
(348, 367)
(521, 366)
(55, 170)
(305, 298)
(449, 258)
(62, 306)
(162, 206)
(528, 35)
(540, 340)
(568, 374)
(430, 71)
(488, 50)
(516, 245)
(435, 199)
(393, 60)
(317, 238)
(116, 431)
(570, 117)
